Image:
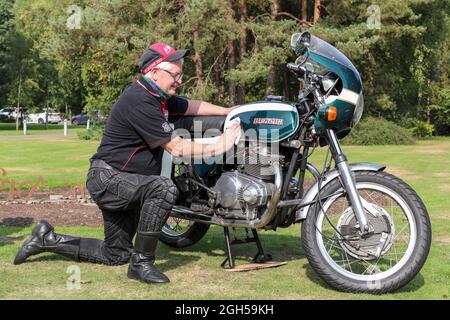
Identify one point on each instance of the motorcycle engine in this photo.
(256, 161)
(244, 193)
(240, 196)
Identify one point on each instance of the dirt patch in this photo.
(63, 214)
(429, 150)
(443, 215)
(445, 187)
(401, 173)
(442, 239)
(441, 174)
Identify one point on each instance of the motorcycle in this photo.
(363, 230)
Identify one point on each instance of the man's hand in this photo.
(179, 147)
(228, 138)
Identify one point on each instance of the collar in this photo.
(153, 88)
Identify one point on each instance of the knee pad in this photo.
(163, 188)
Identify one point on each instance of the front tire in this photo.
(349, 264)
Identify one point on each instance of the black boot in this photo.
(141, 264)
(43, 239)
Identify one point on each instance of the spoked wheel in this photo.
(385, 259)
(180, 233)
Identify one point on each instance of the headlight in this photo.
(358, 110)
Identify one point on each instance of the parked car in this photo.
(40, 118)
(7, 114)
(80, 119)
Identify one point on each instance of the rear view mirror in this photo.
(300, 42)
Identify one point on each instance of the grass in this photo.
(9, 129)
(61, 161)
(195, 272)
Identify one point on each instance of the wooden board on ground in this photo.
(256, 266)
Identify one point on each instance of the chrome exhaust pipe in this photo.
(268, 215)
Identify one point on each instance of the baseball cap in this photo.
(157, 53)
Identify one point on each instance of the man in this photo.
(124, 178)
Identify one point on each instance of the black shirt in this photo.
(136, 128)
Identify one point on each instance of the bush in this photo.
(93, 133)
(420, 129)
(375, 131)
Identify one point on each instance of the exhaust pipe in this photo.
(268, 215)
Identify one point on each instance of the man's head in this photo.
(163, 65)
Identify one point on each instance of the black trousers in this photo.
(129, 203)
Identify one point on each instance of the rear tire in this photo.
(342, 270)
(189, 234)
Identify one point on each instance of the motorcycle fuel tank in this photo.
(266, 120)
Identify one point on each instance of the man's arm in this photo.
(203, 108)
(180, 147)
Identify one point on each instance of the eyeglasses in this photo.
(176, 77)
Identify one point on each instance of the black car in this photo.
(6, 115)
(80, 119)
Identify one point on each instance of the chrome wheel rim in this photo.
(372, 271)
(175, 227)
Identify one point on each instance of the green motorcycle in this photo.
(363, 230)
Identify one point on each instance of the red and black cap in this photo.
(157, 53)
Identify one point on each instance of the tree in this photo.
(80, 57)
(6, 27)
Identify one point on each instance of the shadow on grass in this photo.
(13, 226)
(282, 247)
(173, 262)
(412, 286)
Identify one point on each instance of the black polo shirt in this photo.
(136, 128)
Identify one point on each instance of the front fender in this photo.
(302, 213)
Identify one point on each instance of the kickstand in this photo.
(229, 257)
(260, 257)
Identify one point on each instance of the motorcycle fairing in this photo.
(328, 57)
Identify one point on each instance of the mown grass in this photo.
(61, 161)
(195, 272)
(9, 129)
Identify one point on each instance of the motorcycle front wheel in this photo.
(382, 261)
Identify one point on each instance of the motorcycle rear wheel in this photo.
(180, 233)
(351, 265)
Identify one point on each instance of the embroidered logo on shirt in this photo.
(166, 127)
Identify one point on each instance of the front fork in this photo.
(348, 180)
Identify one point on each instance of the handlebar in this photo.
(296, 68)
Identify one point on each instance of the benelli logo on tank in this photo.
(272, 121)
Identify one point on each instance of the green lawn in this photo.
(60, 161)
(9, 129)
(195, 272)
